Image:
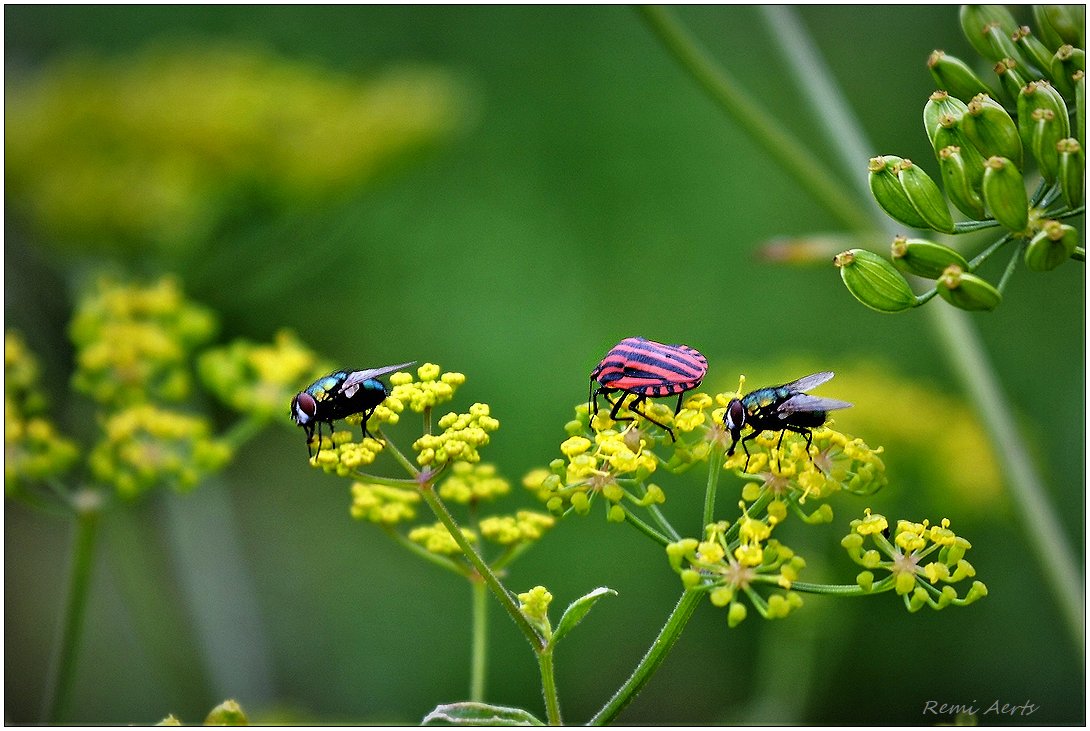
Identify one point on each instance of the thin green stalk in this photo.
(762, 126)
(478, 664)
(88, 507)
(658, 651)
(630, 517)
(242, 431)
(418, 550)
(501, 593)
(1001, 285)
(715, 466)
(397, 454)
(840, 589)
(960, 341)
(548, 686)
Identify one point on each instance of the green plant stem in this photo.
(961, 343)
(242, 431)
(398, 455)
(840, 589)
(762, 126)
(501, 593)
(418, 550)
(658, 651)
(88, 507)
(548, 686)
(1001, 285)
(715, 467)
(643, 527)
(478, 665)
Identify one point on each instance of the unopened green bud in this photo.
(1051, 246)
(991, 129)
(978, 23)
(963, 179)
(1059, 24)
(874, 281)
(966, 290)
(865, 579)
(925, 197)
(736, 614)
(1072, 171)
(228, 713)
(955, 76)
(941, 110)
(1005, 193)
(1011, 78)
(924, 258)
(1042, 122)
(1032, 49)
(886, 188)
(1063, 66)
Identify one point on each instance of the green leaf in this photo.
(578, 609)
(471, 713)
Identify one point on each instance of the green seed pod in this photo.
(1011, 79)
(1045, 31)
(991, 129)
(886, 189)
(873, 281)
(228, 713)
(1005, 193)
(1033, 50)
(962, 180)
(941, 109)
(1051, 246)
(1072, 171)
(1044, 138)
(1061, 23)
(924, 258)
(966, 290)
(1079, 80)
(925, 197)
(977, 23)
(1063, 66)
(1039, 95)
(955, 76)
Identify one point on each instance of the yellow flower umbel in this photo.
(462, 436)
(33, 450)
(732, 561)
(437, 539)
(383, 504)
(904, 555)
(146, 446)
(259, 379)
(133, 342)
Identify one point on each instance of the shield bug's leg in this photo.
(633, 409)
(677, 409)
(617, 406)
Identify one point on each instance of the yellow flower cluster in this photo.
(339, 454)
(437, 539)
(133, 342)
(732, 561)
(473, 483)
(535, 605)
(460, 439)
(155, 148)
(33, 449)
(523, 526)
(432, 388)
(256, 378)
(383, 504)
(145, 446)
(903, 555)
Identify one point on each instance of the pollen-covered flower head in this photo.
(922, 561)
(133, 342)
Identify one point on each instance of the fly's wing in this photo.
(805, 402)
(351, 383)
(807, 383)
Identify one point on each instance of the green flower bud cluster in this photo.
(437, 539)
(523, 526)
(731, 564)
(133, 342)
(259, 379)
(155, 148)
(462, 436)
(984, 140)
(33, 449)
(228, 713)
(383, 504)
(145, 446)
(903, 555)
(534, 604)
(473, 483)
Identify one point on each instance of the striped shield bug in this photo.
(340, 394)
(780, 408)
(645, 369)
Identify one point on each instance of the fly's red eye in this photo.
(305, 402)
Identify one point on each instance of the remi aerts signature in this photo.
(996, 708)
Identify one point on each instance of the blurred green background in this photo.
(574, 188)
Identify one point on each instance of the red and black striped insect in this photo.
(646, 369)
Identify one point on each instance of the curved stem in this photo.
(501, 593)
(397, 454)
(652, 660)
(87, 505)
(478, 664)
(630, 517)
